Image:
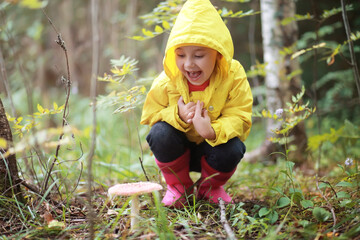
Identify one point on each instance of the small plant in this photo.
(21, 125)
(123, 96)
(289, 117)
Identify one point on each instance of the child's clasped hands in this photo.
(196, 114)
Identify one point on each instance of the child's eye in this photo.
(199, 56)
(180, 55)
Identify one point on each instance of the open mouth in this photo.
(193, 76)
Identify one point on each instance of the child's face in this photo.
(196, 63)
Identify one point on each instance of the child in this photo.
(199, 108)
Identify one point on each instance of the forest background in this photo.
(299, 178)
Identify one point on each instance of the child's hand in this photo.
(202, 123)
(186, 111)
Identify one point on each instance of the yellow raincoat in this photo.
(228, 97)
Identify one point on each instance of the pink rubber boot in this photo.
(212, 181)
(176, 174)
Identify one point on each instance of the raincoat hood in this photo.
(198, 23)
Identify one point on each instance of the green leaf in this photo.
(323, 185)
(159, 29)
(306, 203)
(251, 219)
(273, 217)
(264, 211)
(137, 38)
(334, 11)
(344, 184)
(321, 214)
(33, 4)
(166, 25)
(290, 165)
(147, 33)
(304, 223)
(342, 194)
(282, 202)
(3, 143)
(40, 108)
(277, 189)
(297, 196)
(346, 203)
(297, 17)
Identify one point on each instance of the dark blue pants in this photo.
(168, 144)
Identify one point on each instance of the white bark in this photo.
(278, 89)
(272, 45)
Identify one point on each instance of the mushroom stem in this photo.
(134, 215)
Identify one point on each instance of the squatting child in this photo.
(199, 108)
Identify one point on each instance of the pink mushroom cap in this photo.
(137, 188)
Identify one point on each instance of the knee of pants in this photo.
(226, 157)
(166, 142)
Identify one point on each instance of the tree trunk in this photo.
(289, 33)
(9, 186)
(278, 89)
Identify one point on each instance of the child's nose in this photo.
(189, 62)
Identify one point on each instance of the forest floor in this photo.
(269, 203)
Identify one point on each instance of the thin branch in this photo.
(224, 222)
(326, 182)
(94, 74)
(67, 84)
(142, 155)
(31, 187)
(351, 47)
(78, 180)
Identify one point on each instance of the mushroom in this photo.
(133, 189)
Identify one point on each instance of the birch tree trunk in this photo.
(278, 89)
(290, 87)
(272, 41)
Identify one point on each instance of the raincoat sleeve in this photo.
(235, 118)
(158, 106)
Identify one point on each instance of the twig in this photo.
(330, 187)
(30, 186)
(78, 180)
(224, 222)
(67, 83)
(329, 205)
(142, 155)
(351, 47)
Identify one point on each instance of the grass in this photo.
(254, 186)
(267, 204)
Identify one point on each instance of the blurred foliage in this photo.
(123, 100)
(164, 16)
(289, 117)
